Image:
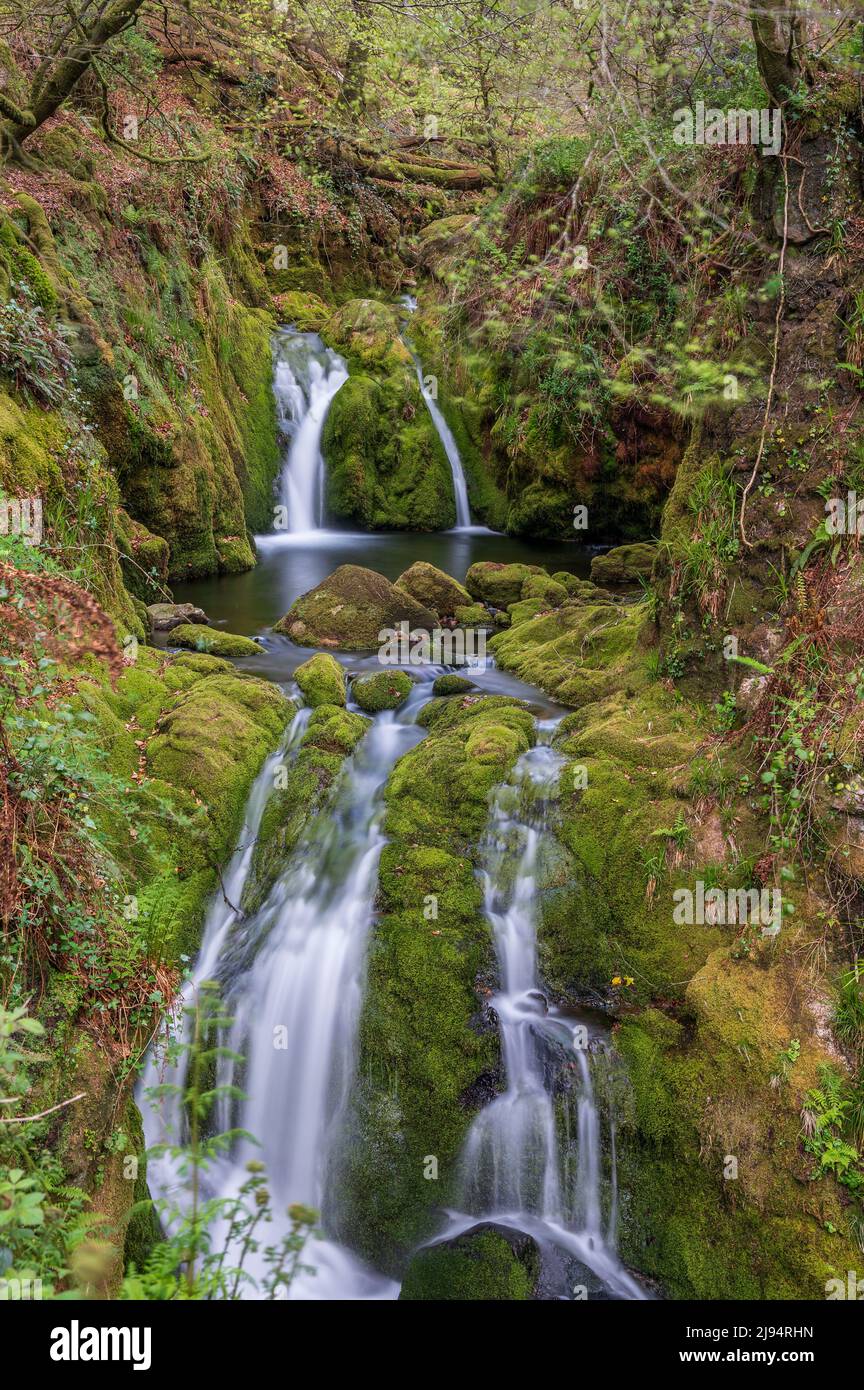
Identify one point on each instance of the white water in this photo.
(514, 1162)
(306, 377)
(292, 978)
(445, 434)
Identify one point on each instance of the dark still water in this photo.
(289, 566)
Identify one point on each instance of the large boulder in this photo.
(386, 466)
(349, 609)
(487, 1263)
(625, 564)
(322, 680)
(498, 584)
(434, 588)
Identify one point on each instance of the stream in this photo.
(532, 1158)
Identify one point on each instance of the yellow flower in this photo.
(616, 979)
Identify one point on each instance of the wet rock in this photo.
(624, 564)
(381, 690)
(207, 639)
(349, 609)
(322, 680)
(451, 685)
(490, 1262)
(166, 616)
(497, 584)
(434, 588)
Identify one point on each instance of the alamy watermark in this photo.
(407, 646)
(845, 515)
(726, 906)
(699, 125)
(21, 516)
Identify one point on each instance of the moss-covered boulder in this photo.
(369, 332)
(450, 684)
(381, 690)
(489, 1263)
(625, 564)
(433, 588)
(386, 466)
(306, 311)
(498, 584)
(429, 1047)
(321, 680)
(349, 609)
(439, 242)
(212, 641)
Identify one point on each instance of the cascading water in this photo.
(292, 977)
(514, 1164)
(306, 377)
(445, 434)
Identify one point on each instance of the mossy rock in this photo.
(143, 558)
(333, 729)
(473, 615)
(350, 609)
(368, 331)
(381, 690)
(489, 1263)
(212, 641)
(625, 564)
(451, 685)
(322, 680)
(386, 466)
(498, 584)
(433, 588)
(540, 586)
(305, 310)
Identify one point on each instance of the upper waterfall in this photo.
(307, 376)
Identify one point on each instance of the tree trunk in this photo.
(780, 34)
(71, 66)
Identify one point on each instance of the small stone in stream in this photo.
(165, 616)
(322, 680)
(381, 690)
(451, 685)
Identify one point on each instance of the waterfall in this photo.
(445, 434)
(292, 980)
(514, 1168)
(306, 377)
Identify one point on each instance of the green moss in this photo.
(498, 584)
(451, 685)
(200, 638)
(322, 680)
(302, 791)
(624, 564)
(433, 588)
(484, 1264)
(381, 690)
(350, 609)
